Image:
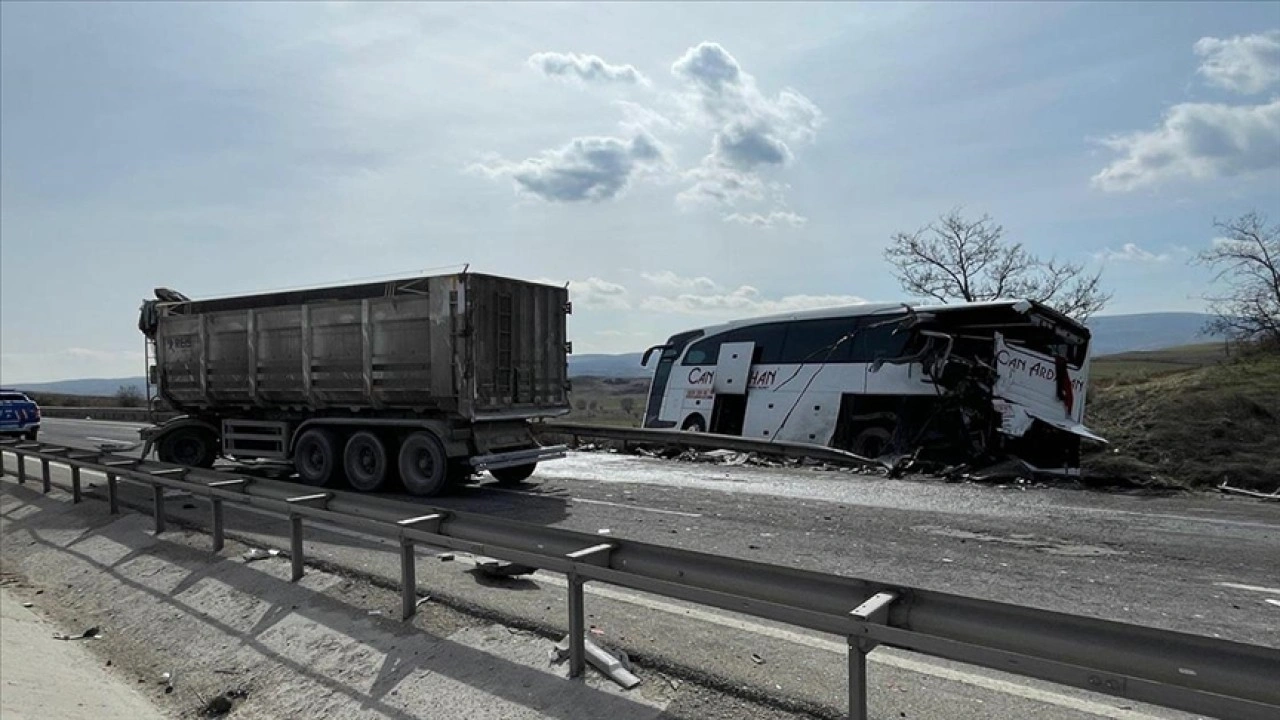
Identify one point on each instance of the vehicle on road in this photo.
(959, 382)
(430, 379)
(19, 414)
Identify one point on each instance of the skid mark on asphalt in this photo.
(1051, 546)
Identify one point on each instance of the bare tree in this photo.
(1247, 260)
(128, 396)
(957, 259)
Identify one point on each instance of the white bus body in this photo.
(967, 380)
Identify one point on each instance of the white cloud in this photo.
(772, 220)
(1245, 63)
(640, 118)
(671, 281)
(595, 293)
(750, 131)
(1130, 252)
(745, 301)
(1199, 141)
(585, 69)
(588, 169)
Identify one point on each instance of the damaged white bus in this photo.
(969, 382)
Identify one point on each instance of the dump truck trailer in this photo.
(425, 379)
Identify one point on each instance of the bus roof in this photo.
(864, 309)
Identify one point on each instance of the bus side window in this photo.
(768, 341)
(880, 343)
(704, 352)
(819, 341)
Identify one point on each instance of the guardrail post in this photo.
(217, 525)
(857, 680)
(408, 579)
(577, 629)
(113, 502)
(75, 484)
(2, 467)
(295, 545)
(22, 468)
(157, 504)
(44, 476)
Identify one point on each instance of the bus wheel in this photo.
(424, 468)
(872, 442)
(694, 423)
(188, 446)
(513, 475)
(365, 460)
(315, 457)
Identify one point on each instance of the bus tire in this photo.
(872, 442)
(694, 423)
(424, 467)
(365, 460)
(315, 457)
(513, 475)
(188, 446)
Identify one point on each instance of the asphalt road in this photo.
(1201, 563)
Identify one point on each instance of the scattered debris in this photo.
(603, 531)
(255, 555)
(1273, 601)
(445, 557)
(757, 659)
(611, 666)
(597, 631)
(422, 601)
(222, 704)
(1225, 488)
(166, 679)
(28, 604)
(375, 612)
(501, 568)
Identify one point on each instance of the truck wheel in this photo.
(365, 460)
(316, 457)
(424, 468)
(513, 475)
(188, 446)
(32, 434)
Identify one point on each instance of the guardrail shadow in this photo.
(405, 650)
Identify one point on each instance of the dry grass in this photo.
(1191, 428)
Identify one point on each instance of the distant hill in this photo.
(626, 365)
(1148, 331)
(102, 387)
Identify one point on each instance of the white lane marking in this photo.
(1273, 601)
(1254, 588)
(603, 502)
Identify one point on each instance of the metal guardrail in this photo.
(1177, 670)
(703, 441)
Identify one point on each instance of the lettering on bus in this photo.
(1038, 370)
(759, 378)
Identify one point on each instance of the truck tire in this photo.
(694, 423)
(315, 457)
(513, 475)
(424, 468)
(188, 446)
(365, 460)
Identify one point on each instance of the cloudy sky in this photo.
(676, 164)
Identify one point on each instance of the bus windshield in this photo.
(658, 387)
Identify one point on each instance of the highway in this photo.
(1201, 563)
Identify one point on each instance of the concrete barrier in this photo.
(137, 415)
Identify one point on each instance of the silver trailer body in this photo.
(474, 346)
(427, 378)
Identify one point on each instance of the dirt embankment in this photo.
(1191, 428)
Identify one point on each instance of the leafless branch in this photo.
(1246, 259)
(956, 259)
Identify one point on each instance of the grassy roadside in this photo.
(1190, 427)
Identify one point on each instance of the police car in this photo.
(19, 414)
